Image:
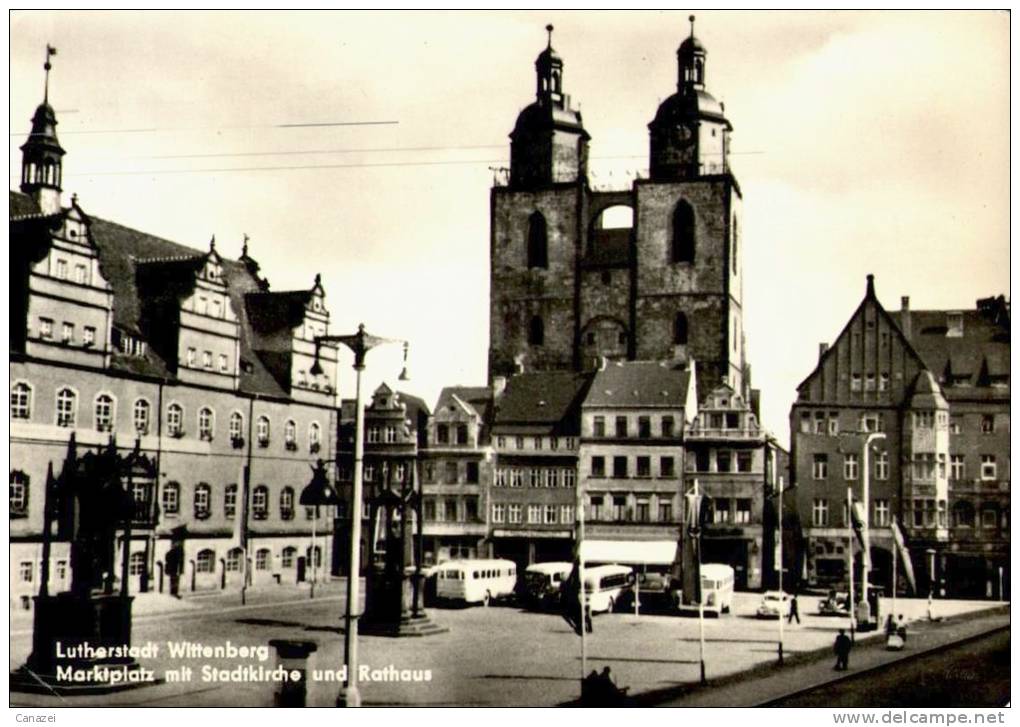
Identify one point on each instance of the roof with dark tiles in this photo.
(542, 402)
(641, 384)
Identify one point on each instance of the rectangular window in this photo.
(665, 511)
(955, 425)
(534, 514)
(620, 508)
(956, 467)
(67, 333)
(501, 442)
(598, 466)
(666, 467)
(881, 513)
(26, 571)
(924, 419)
(721, 510)
(552, 477)
(820, 513)
(500, 477)
(599, 427)
(80, 274)
(855, 382)
(883, 382)
(45, 328)
(805, 423)
(820, 467)
(224, 366)
(850, 467)
(833, 423)
(569, 477)
(429, 510)
(869, 382)
(192, 356)
(538, 443)
(62, 269)
(535, 477)
(570, 442)
(942, 465)
(644, 466)
(462, 434)
(924, 466)
(742, 516)
(619, 467)
(702, 460)
(882, 465)
(820, 422)
(451, 473)
(499, 514)
(566, 514)
(596, 503)
(988, 424)
(519, 442)
(871, 422)
(724, 461)
(621, 426)
(443, 434)
(451, 510)
(667, 426)
(471, 473)
(644, 427)
(516, 477)
(988, 468)
(744, 461)
(550, 515)
(644, 513)
(88, 336)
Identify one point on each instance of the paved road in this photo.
(972, 674)
(498, 656)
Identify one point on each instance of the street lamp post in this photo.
(360, 343)
(931, 578)
(865, 519)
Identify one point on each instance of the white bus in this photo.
(716, 587)
(605, 584)
(476, 581)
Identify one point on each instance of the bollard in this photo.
(292, 655)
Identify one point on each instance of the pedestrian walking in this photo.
(901, 629)
(842, 649)
(794, 611)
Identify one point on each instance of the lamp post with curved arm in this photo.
(360, 343)
(865, 518)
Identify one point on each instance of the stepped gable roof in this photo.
(639, 384)
(122, 251)
(542, 402)
(968, 364)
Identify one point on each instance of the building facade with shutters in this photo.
(930, 390)
(647, 273)
(120, 335)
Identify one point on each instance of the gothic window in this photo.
(680, 330)
(538, 242)
(536, 331)
(683, 233)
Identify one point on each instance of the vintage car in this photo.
(835, 604)
(774, 604)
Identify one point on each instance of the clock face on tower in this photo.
(683, 134)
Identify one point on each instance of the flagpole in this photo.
(850, 554)
(582, 594)
(895, 559)
(780, 549)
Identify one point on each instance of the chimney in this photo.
(822, 348)
(905, 317)
(498, 386)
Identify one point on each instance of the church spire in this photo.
(41, 154)
(549, 73)
(691, 62)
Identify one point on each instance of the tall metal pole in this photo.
(701, 596)
(350, 696)
(931, 579)
(315, 516)
(866, 518)
(850, 556)
(582, 592)
(780, 554)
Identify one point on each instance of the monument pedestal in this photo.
(388, 610)
(80, 645)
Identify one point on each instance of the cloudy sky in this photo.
(359, 145)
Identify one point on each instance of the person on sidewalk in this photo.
(842, 649)
(794, 611)
(901, 629)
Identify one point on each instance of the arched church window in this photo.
(536, 331)
(683, 233)
(538, 242)
(680, 330)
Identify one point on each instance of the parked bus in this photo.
(605, 585)
(653, 562)
(716, 588)
(476, 581)
(543, 583)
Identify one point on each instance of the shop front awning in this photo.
(630, 552)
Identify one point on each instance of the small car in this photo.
(774, 604)
(835, 604)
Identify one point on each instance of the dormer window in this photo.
(954, 325)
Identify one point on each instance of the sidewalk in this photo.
(766, 683)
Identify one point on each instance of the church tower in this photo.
(569, 285)
(689, 274)
(42, 155)
(534, 233)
